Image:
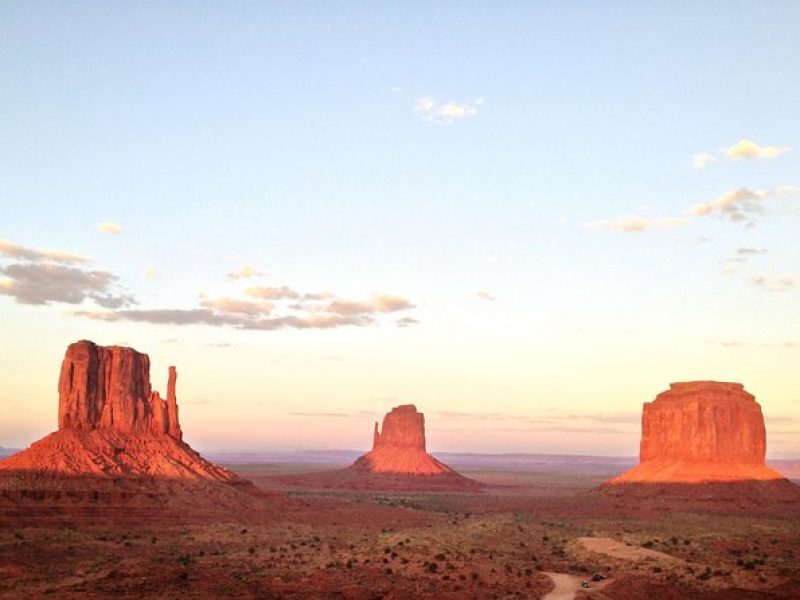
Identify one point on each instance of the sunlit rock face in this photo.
(111, 423)
(399, 446)
(701, 431)
(109, 388)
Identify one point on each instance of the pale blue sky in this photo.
(290, 138)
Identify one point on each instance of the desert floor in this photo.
(518, 537)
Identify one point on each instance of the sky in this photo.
(525, 218)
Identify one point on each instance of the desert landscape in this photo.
(115, 504)
(352, 300)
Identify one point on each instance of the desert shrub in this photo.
(185, 560)
(432, 567)
(648, 544)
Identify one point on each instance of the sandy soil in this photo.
(499, 541)
(566, 586)
(624, 551)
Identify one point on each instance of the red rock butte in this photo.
(111, 423)
(701, 431)
(399, 447)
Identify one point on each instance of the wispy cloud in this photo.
(484, 295)
(740, 344)
(237, 306)
(321, 414)
(11, 250)
(551, 421)
(49, 276)
(741, 150)
(406, 322)
(749, 150)
(445, 113)
(750, 251)
(699, 161)
(740, 204)
(273, 293)
(379, 303)
(240, 313)
(151, 273)
(109, 227)
(33, 276)
(775, 284)
(634, 224)
(245, 272)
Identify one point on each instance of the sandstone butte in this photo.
(701, 431)
(399, 447)
(112, 424)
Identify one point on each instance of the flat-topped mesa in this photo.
(399, 446)
(403, 427)
(704, 421)
(701, 431)
(108, 387)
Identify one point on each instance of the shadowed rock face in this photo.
(399, 447)
(109, 388)
(701, 431)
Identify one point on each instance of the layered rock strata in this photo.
(701, 431)
(399, 446)
(112, 423)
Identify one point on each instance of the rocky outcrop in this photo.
(701, 431)
(109, 388)
(403, 427)
(111, 423)
(399, 447)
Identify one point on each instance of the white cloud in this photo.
(109, 227)
(246, 272)
(699, 161)
(446, 113)
(634, 224)
(739, 204)
(749, 150)
(484, 295)
(151, 273)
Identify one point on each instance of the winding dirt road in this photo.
(566, 586)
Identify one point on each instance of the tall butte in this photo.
(111, 422)
(701, 431)
(399, 447)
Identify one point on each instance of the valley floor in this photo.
(525, 535)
